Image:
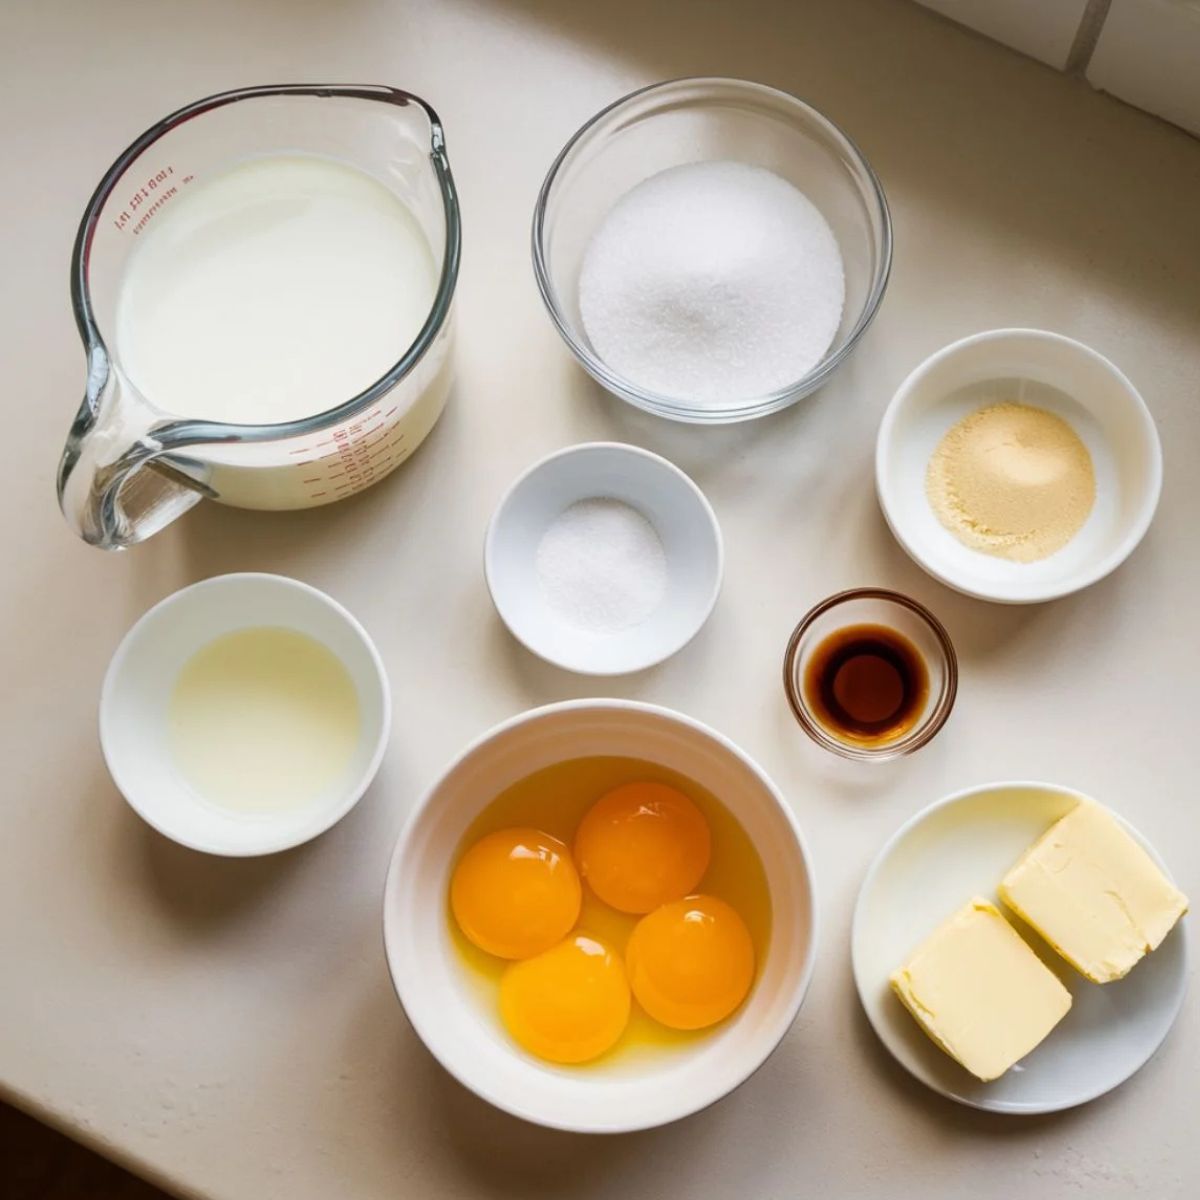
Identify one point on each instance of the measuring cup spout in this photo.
(113, 487)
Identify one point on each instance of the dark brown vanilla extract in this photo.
(867, 684)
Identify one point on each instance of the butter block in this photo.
(1094, 894)
(980, 992)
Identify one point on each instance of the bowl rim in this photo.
(692, 1102)
(656, 461)
(884, 854)
(267, 841)
(672, 407)
(885, 486)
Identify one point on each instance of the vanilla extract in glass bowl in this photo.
(867, 682)
(870, 674)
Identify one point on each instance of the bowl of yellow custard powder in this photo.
(1018, 465)
(601, 918)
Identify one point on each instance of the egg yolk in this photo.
(516, 893)
(568, 1005)
(642, 845)
(690, 963)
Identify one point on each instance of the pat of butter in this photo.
(1094, 894)
(980, 992)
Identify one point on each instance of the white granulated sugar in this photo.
(601, 566)
(714, 282)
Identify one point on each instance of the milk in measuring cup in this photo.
(276, 290)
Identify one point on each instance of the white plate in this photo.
(1053, 372)
(664, 495)
(962, 846)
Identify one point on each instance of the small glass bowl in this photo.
(873, 606)
(697, 120)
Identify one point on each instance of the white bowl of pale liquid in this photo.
(239, 772)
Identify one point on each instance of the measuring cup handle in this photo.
(112, 491)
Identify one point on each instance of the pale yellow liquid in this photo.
(554, 801)
(263, 719)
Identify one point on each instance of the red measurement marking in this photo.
(150, 192)
(145, 218)
(318, 495)
(390, 443)
(356, 455)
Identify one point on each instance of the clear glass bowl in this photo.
(695, 120)
(873, 606)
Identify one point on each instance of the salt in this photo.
(713, 282)
(601, 566)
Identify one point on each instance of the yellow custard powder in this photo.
(1012, 480)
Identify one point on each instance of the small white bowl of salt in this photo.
(604, 559)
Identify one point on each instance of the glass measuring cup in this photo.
(128, 467)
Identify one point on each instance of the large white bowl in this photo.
(466, 1036)
(137, 689)
(1050, 371)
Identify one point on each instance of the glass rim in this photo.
(186, 431)
(929, 727)
(672, 406)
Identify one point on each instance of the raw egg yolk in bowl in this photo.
(647, 931)
(515, 893)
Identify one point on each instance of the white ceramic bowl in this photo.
(137, 688)
(1052, 372)
(464, 1033)
(961, 847)
(664, 495)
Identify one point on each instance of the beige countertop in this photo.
(228, 1027)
